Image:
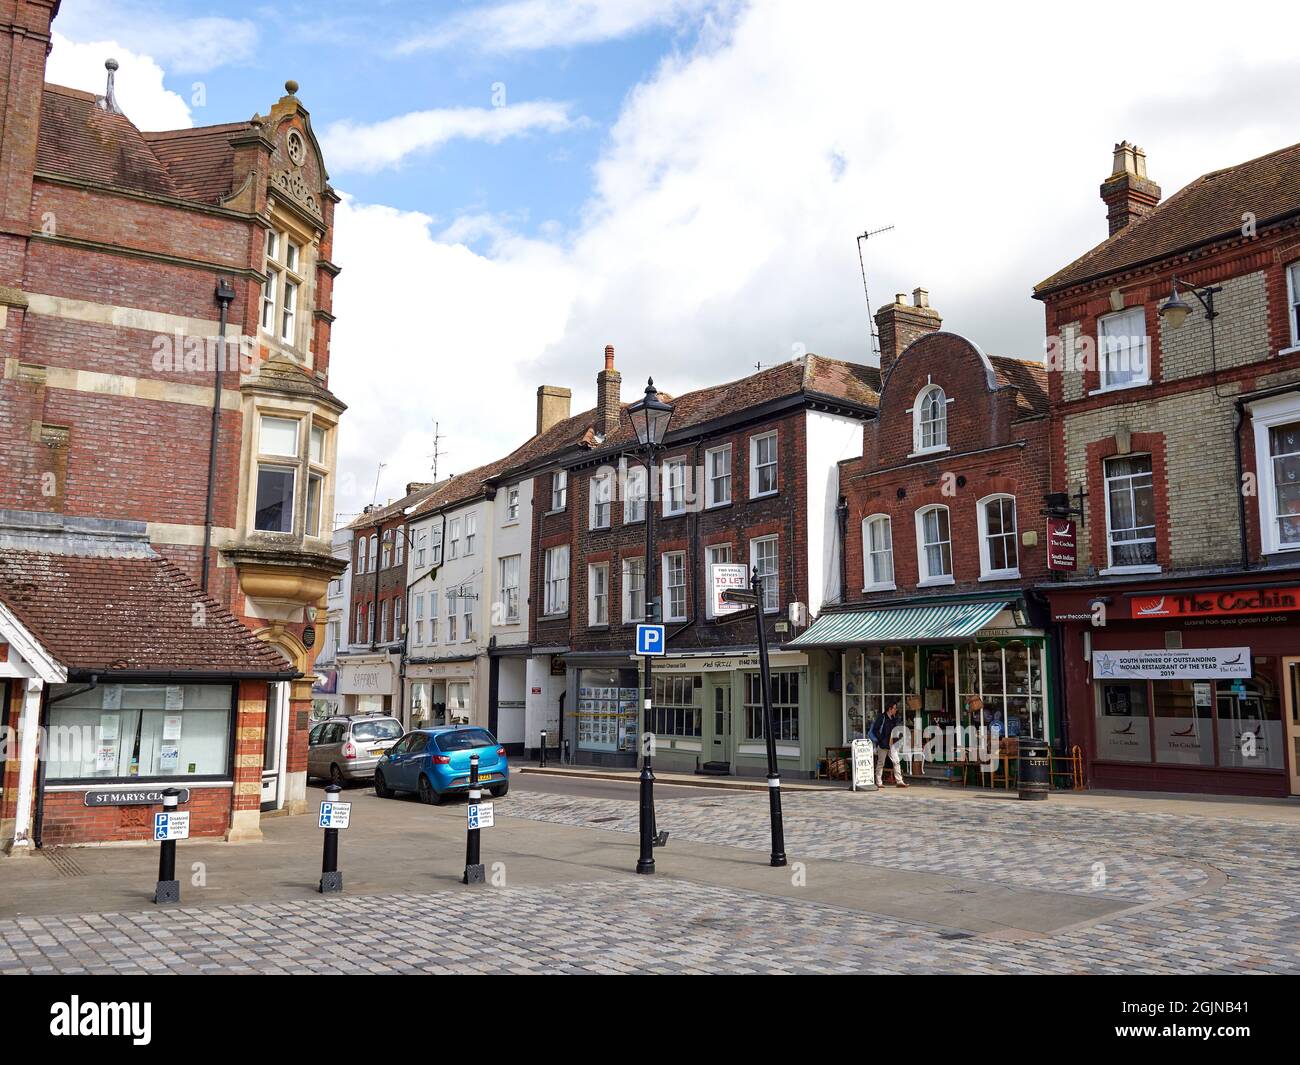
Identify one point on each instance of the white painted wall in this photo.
(830, 438)
(511, 538)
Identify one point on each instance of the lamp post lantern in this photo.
(650, 417)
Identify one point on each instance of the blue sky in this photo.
(684, 179)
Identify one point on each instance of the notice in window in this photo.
(175, 697)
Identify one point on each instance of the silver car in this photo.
(343, 749)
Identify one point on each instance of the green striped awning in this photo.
(915, 624)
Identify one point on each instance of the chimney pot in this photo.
(899, 324)
(609, 356)
(609, 403)
(920, 297)
(1128, 193)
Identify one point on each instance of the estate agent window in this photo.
(877, 553)
(714, 555)
(1130, 512)
(785, 706)
(139, 732)
(1122, 349)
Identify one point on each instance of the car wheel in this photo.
(381, 786)
(337, 777)
(501, 792)
(427, 793)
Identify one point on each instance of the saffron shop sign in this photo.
(1215, 604)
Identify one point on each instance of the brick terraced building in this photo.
(1176, 437)
(167, 442)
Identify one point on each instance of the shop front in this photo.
(441, 692)
(367, 683)
(1183, 686)
(962, 674)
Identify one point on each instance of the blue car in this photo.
(434, 763)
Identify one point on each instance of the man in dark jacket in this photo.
(887, 734)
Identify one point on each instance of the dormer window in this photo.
(930, 420)
(283, 286)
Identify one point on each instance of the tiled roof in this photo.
(79, 139)
(105, 615)
(200, 160)
(379, 515)
(1209, 208)
(1029, 379)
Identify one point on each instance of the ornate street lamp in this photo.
(650, 417)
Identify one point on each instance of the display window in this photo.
(123, 732)
(677, 710)
(872, 680)
(607, 710)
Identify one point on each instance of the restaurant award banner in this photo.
(1159, 663)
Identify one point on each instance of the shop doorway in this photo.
(275, 737)
(1291, 680)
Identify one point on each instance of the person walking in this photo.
(886, 734)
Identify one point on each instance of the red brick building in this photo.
(748, 475)
(944, 540)
(1176, 437)
(164, 325)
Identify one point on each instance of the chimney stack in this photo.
(608, 398)
(552, 406)
(1128, 193)
(900, 323)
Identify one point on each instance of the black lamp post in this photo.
(650, 417)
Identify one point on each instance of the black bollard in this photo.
(542, 764)
(473, 867)
(168, 889)
(330, 877)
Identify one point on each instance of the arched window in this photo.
(930, 418)
(934, 545)
(877, 552)
(997, 524)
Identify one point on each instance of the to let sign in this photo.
(1062, 544)
(726, 577)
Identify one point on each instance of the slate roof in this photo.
(1209, 208)
(114, 615)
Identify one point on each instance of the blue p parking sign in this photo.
(650, 640)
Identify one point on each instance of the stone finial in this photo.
(109, 100)
(291, 87)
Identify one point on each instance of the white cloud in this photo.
(139, 81)
(373, 146)
(182, 45)
(528, 25)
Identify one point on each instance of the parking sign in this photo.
(650, 640)
(480, 815)
(172, 825)
(335, 814)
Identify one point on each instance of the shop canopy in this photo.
(942, 623)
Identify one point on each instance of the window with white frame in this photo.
(417, 613)
(717, 476)
(453, 538)
(508, 582)
(997, 525)
(674, 586)
(433, 617)
(399, 545)
(934, 545)
(930, 420)
(556, 576)
(359, 628)
(634, 489)
(598, 594)
(453, 629)
(435, 545)
(397, 620)
(361, 556)
(600, 491)
(373, 553)
(1293, 300)
(763, 558)
(674, 474)
(387, 553)
(370, 623)
(559, 489)
(467, 601)
(317, 471)
(877, 552)
(383, 622)
(512, 503)
(762, 465)
(421, 548)
(785, 706)
(714, 555)
(1122, 349)
(633, 590)
(1276, 423)
(281, 290)
(277, 474)
(471, 531)
(1130, 512)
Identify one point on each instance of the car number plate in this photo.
(377, 751)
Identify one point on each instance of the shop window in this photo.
(1123, 722)
(676, 708)
(138, 731)
(877, 552)
(1002, 688)
(634, 488)
(458, 702)
(997, 528)
(930, 420)
(1130, 512)
(1122, 349)
(785, 706)
(934, 545)
(1184, 729)
(1249, 723)
(872, 681)
(608, 704)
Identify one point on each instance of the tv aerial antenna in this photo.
(438, 453)
(875, 337)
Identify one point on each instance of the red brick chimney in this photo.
(900, 323)
(1128, 193)
(608, 399)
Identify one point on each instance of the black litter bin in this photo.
(1034, 771)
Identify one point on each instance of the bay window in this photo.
(281, 467)
(285, 276)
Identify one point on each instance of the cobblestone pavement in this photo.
(1184, 918)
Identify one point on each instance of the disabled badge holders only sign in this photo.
(479, 815)
(173, 825)
(335, 814)
(650, 639)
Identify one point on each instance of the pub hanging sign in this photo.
(1062, 544)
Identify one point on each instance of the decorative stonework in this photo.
(291, 184)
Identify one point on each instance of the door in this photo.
(721, 751)
(1291, 681)
(274, 739)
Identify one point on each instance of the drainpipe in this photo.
(225, 295)
(1241, 495)
(842, 530)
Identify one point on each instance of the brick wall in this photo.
(69, 820)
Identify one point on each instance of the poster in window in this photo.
(1118, 701)
(105, 758)
(171, 727)
(175, 697)
(112, 697)
(168, 758)
(108, 724)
